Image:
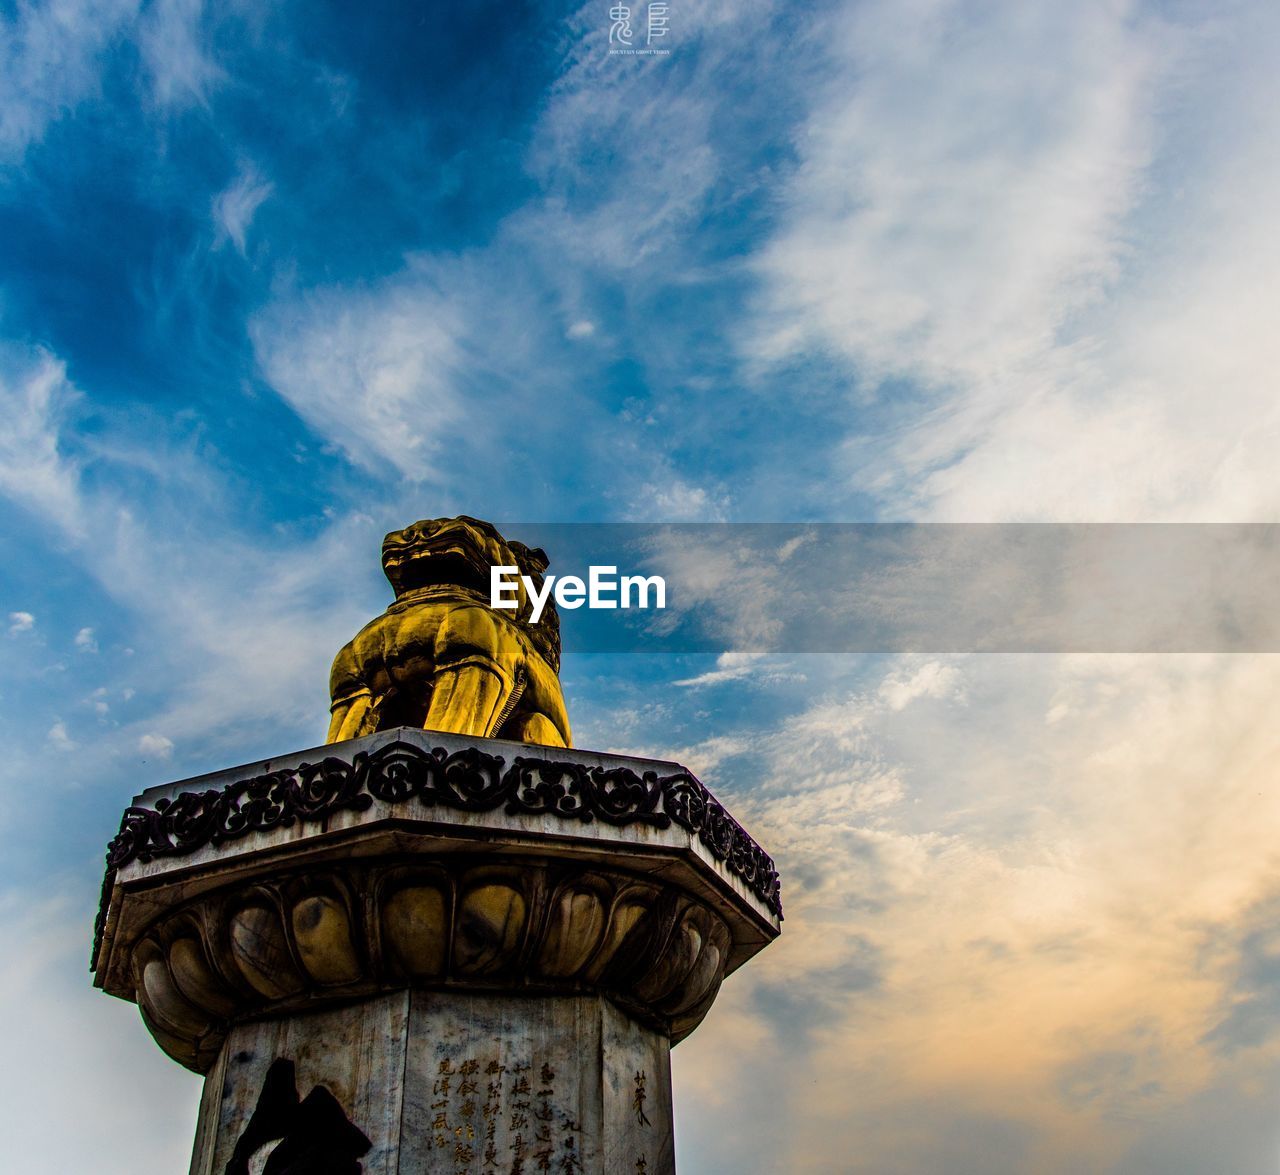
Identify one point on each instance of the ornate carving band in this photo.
(271, 947)
(469, 780)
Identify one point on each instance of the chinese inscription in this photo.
(638, 1100)
(474, 1099)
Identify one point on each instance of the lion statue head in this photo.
(442, 657)
(436, 553)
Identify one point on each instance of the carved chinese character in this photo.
(638, 1100)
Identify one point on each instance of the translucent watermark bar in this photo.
(927, 588)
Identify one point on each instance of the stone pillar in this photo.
(419, 953)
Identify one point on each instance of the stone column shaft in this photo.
(451, 1083)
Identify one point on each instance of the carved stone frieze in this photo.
(470, 779)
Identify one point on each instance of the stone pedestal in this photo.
(414, 952)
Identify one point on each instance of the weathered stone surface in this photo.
(356, 1052)
(452, 1083)
(551, 1081)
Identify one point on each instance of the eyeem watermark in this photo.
(632, 37)
(602, 589)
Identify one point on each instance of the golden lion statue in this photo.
(441, 658)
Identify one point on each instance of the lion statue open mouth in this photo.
(440, 657)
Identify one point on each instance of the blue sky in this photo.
(277, 279)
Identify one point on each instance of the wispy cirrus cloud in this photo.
(237, 204)
(176, 51)
(374, 370)
(1000, 212)
(36, 398)
(51, 60)
(216, 656)
(962, 183)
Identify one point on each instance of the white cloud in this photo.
(1056, 223)
(58, 738)
(85, 641)
(35, 400)
(749, 667)
(50, 62)
(174, 49)
(666, 497)
(21, 622)
(155, 746)
(962, 183)
(628, 214)
(730, 666)
(582, 329)
(236, 205)
(374, 371)
(931, 680)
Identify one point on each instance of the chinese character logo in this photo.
(658, 21)
(639, 31)
(620, 26)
